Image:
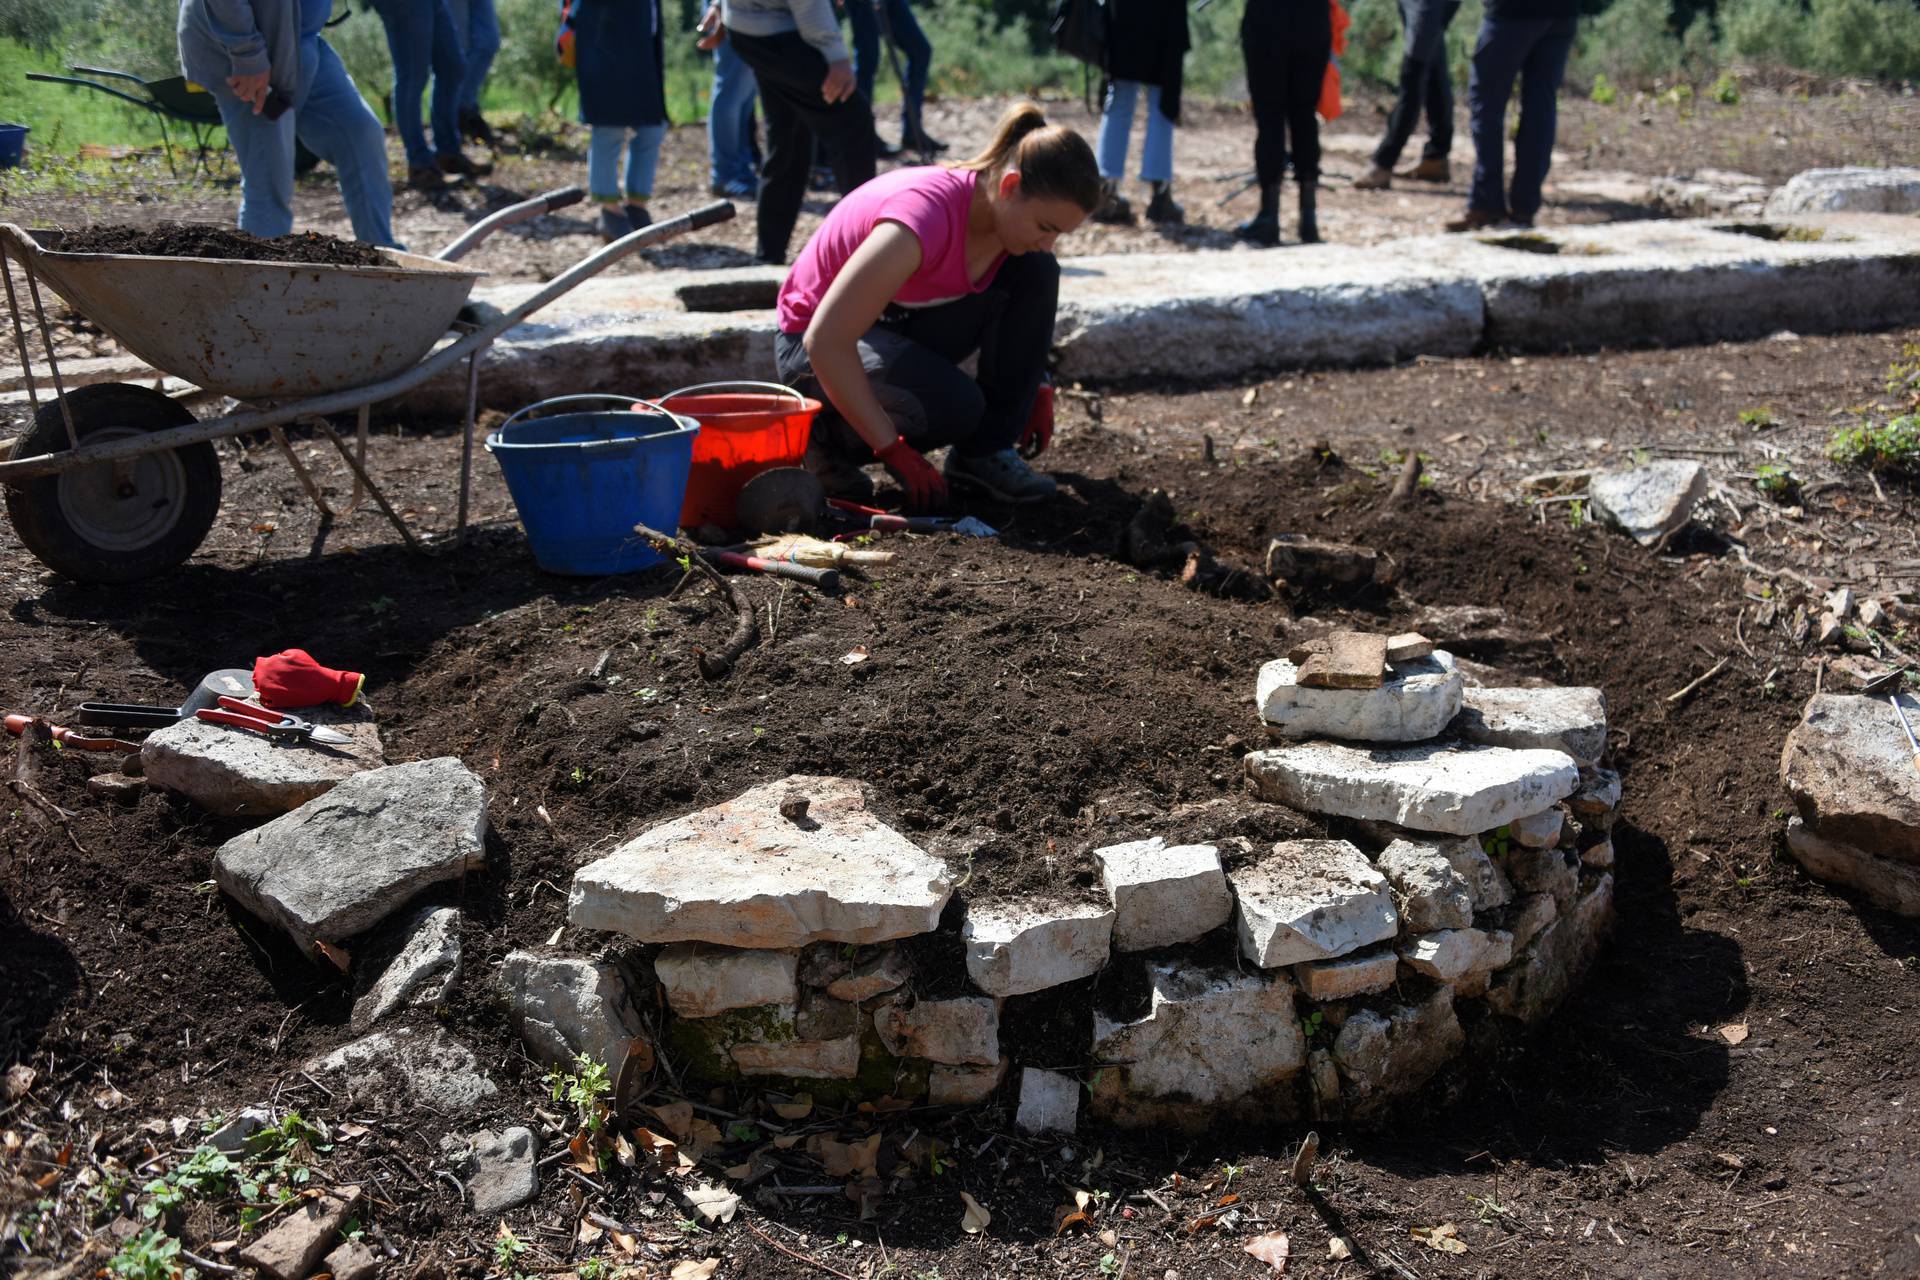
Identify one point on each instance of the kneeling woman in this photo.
(909, 275)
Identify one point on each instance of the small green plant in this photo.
(1891, 446)
(1777, 482)
(685, 562)
(592, 1269)
(585, 1089)
(1109, 1264)
(1313, 1024)
(687, 1226)
(1903, 377)
(1759, 419)
(1725, 91)
(1604, 92)
(578, 777)
(743, 1131)
(380, 606)
(151, 1255)
(841, 1238)
(1577, 513)
(1640, 457)
(1231, 1171)
(507, 1248)
(206, 1172)
(1498, 841)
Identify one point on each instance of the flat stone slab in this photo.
(1415, 701)
(239, 774)
(701, 979)
(289, 1250)
(961, 1032)
(1344, 660)
(1851, 775)
(1573, 720)
(1163, 894)
(1455, 788)
(1301, 559)
(1014, 948)
(1889, 885)
(421, 973)
(1853, 189)
(564, 1006)
(835, 1059)
(1446, 955)
(743, 875)
(1311, 900)
(1347, 976)
(1049, 1102)
(430, 1068)
(1651, 502)
(343, 862)
(504, 1176)
(1209, 1036)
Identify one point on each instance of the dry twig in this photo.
(746, 625)
(798, 1257)
(1681, 695)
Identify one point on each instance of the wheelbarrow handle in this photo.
(546, 202)
(708, 215)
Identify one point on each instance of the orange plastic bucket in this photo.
(745, 428)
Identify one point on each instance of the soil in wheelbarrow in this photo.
(203, 240)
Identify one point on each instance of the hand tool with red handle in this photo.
(1894, 698)
(887, 522)
(18, 724)
(274, 724)
(825, 579)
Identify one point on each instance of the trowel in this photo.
(230, 682)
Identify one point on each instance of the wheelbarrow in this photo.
(116, 482)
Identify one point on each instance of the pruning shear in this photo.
(275, 725)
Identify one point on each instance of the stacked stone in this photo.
(1854, 783)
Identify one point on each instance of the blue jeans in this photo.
(420, 37)
(1116, 123)
(328, 115)
(603, 161)
(865, 17)
(730, 119)
(477, 25)
(1534, 50)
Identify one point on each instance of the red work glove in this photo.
(292, 679)
(926, 487)
(1039, 430)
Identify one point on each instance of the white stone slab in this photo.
(428, 1069)
(1414, 703)
(421, 972)
(1850, 773)
(235, 773)
(1650, 502)
(701, 979)
(1347, 976)
(836, 1059)
(503, 1175)
(742, 875)
(1456, 788)
(1889, 885)
(1573, 720)
(1049, 1102)
(961, 1031)
(1014, 948)
(1163, 895)
(1311, 900)
(1852, 189)
(1209, 1036)
(1540, 830)
(1446, 955)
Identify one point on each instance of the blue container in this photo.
(13, 144)
(581, 481)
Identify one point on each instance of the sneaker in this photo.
(1475, 220)
(841, 477)
(1005, 475)
(426, 178)
(738, 189)
(457, 164)
(1437, 170)
(613, 223)
(1261, 229)
(1374, 179)
(925, 144)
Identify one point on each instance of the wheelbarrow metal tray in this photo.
(263, 330)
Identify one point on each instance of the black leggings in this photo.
(1287, 45)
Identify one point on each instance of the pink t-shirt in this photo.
(932, 202)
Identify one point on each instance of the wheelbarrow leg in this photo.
(300, 470)
(46, 340)
(412, 542)
(360, 448)
(466, 445)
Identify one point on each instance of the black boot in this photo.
(1263, 228)
(1309, 226)
(1114, 209)
(1162, 208)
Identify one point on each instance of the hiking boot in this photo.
(1005, 475)
(840, 476)
(1309, 221)
(1162, 209)
(474, 128)
(1434, 170)
(1474, 220)
(1114, 209)
(613, 223)
(637, 215)
(1263, 228)
(1374, 179)
(457, 164)
(925, 143)
(425, 178)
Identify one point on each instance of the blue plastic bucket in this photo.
(581, 481)
(13, 144)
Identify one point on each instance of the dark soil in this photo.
(199, 240)
(1026, 700)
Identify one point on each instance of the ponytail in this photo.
(1054, 162)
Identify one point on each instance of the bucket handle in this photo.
(590, 397)
(778, 387)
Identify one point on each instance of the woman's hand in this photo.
(926, 487)
(251, 90)
(839, 84)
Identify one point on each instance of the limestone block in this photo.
(1890, 885)
(1539, 831)
(1430, 892)
(564, 1006)
(1407, 646)
(1539, 978)
(1345, 977)
(1311, 900)
(821, 1017)
(1533, 913)
(341, 864)
(1496, 953)
(1323, 1077)
(1599, 854)
(961, 1031)
(1573, 720)
(1018, 947)
(1049, 1102)
(870, 976)
(236, 774)
(1415, 701)
(422, 971)
(1447, 955)
(1485, 880)
(837, 1059)
(1300, 559)
(1851, 189)
(1851, 775)
(1456, 788)
(1163, 895)
(430, 1068)
(1392, 1053)
(352, 1260)
(743, 875)
(964, 1086)
(1210, 1036)
(503, 1170)
(1651, 502)
(1345, 660)
(702, 980)
(289, 1250)
(1598, 796)
(1552, 871)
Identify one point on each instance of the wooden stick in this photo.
(746, 626)
(1409, 480)
(798, 1257)
(1682, 695)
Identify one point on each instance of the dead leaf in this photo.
(348, 1131)
(1066, 1217)
(880, 1106)
(701, 1137)
(20, 1078)
(799, 1108)
(1445, 1238)
(856, 654)
(628, 1245)
(1230, 1198)
(976, 1219)
(588, 1233)
(106, 1097)
(1338, 1249)
(1734, 1032)
(715, 1204)
(584, 1158)
(786, 1141)
(691, 1270)
(47, 1180)
(338, 957)
(1272, 1248)
(1110, 1238)
(1730, 1160)
(677, 1116)
(665, 1151)
(846, 1159)
(1201, 1223)
(623, 1151)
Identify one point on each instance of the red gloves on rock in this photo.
(292, 679)
(1038, 433)
(926, 487)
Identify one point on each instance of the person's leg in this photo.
(1116, 123)
(1540, 76)
(781, 80)
(337, 125)
(265, 150)
(604, 144)
(1407, 103)
(1156, 151)
(865, 24)
(482, 30)
(729, 163)
(1438, 93)
(931, 401)
(1264, 91)
(643, 160)
(1306, 65)
(449, 75)
(409, 26)
(918, 52)
(1496, 60)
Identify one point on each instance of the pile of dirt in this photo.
(203, 240)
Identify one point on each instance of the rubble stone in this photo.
(702, 980)
(1851, 775)
(1384, 1054)
(1485, 880)
(1534, 912)
(1210, 1036)
(957, 1032)
(871, 976)
(1447, 955)
(565, 1006)
(1889, 885)
(352, 1260)
(1049, 1102)
(1540, 830)
(1163, 895)
(1447, 787)
(289, 1250)
(1598, 796)
(1301, 559)
(1345, 660)
(231, 1138)
(1649, 503)
(837, 1059)
(1431, 893)
(1311, 900)
(1496, 952)
(743, 875)
(1347, 976)
(421, 973)
(1849, 189)
(964, 1086)
(1415, 701)
(1557, 719)
(1599, 854)
(238, 774)
(1543, 871)
(1539, 978)
(503, 1170)
(434, 1070)
(1014, 948)
(1407, 647)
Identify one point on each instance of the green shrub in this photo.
(1766, 32)
(1631, 43)
(1889, 446)
(1872, 38)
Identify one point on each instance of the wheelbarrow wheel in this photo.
(115, 522)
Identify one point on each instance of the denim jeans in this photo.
(1426, 83)
(730, 119)
(1116, 124)
(1534, 50)
(603, 161)
(328, 115)
(420, 37)
(867, 21)
(476, 24)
